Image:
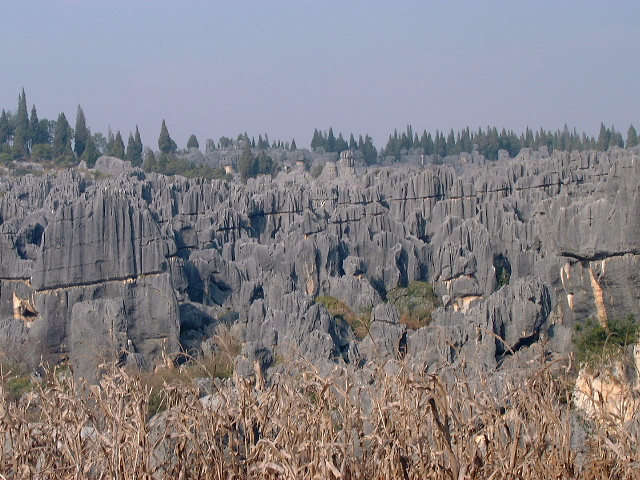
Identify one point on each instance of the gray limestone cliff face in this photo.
(101, 239)
(136, 266)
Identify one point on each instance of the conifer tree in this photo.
(44, 131)
(493, 143)
(317, 141)
(465, 141)
(528, 136)
(603, 138)
(632, 137)
(341, 144)
(61, 147)
(81, 135)
(331, 141)
(5, 130)
(352, 143)
(150, 163)
(131, 149)
(118, 150)
(108, 149)
(293, 145)
(91, 152)
(21, 136)
(369, 151)
(246, 164)
(616, 138)
(451, 142)
(576, 144)
(165, 143)
(137, 156)
(33, 133)
(193, 142)
(263, 164)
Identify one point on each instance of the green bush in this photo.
(415, 303)
(596, 344)
(41, 152)
(16, 380)
(359, 322)
(6, 159)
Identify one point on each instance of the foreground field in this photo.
(393, 422)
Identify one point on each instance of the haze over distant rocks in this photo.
(138, 266)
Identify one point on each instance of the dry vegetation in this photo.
(416, 303)
(358, 321)
(397, 423)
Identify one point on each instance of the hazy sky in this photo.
(287, 67)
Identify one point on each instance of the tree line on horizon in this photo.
(488, 142)
(329, 143)
(24, 136)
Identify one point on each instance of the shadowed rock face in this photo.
(133, 266)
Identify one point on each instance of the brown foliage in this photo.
(400, 424)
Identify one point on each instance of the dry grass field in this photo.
(392, 422)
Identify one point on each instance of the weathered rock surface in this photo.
(138, 264)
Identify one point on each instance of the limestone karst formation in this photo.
(137, 266)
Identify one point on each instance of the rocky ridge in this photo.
(138, 266)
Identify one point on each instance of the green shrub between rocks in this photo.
(597, 344)
(358, 321)
(415, 303)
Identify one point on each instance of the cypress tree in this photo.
(465, 141)
(426, 142)
(118, 147)
(317, 139)
(352, 143)
(165, 143)
(632, 137)
(576, 144)
(341, 144)
(246, 164)
(61, 147)
(514, 144)
(131, 149)
(108, 149)
(44, 135)
(193, 142)
(369, 151)
(81, 135)
(150, 163)
(137, 157)
(528, 137)
(5, 130)
(91, 152)
(603, 138)
(331, 141)
(493, 143)
(293, 145)
(451, 142)
(263, 164)
(20, 139)
(34, 127)
(616, 138)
